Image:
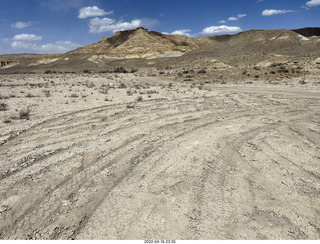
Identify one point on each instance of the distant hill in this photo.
(139, 43)
(308, 32)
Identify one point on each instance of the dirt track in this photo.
(223, 162)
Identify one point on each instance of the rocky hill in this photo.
(139, 43)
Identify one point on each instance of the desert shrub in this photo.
(104, 91)
(202, 71)
(50, 72)
(273, 65)
(257, 76)
(46, 93)
(131, 106)
(7, 121)
(3, 107)
(29, 95)
(74, 95)
(133, 70)
(122, 86)
(139, 99)
(272, 72)
(86, 71)
(120, 70)
(283, 69)
(302, 82)
(24, 113)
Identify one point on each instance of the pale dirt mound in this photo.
(220, 162)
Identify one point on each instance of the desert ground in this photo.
(138, 156)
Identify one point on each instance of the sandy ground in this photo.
(129, 157)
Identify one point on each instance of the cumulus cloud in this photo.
(313, 3)
(30, 43)
(93, 11)
(222, 29)
(25, 41)
(269, 12)
(222, 22)
(185, 32)
(21, 25)
(98, 25)
(58, 47)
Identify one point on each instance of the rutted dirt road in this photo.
(220, 162)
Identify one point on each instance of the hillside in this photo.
(138, 43)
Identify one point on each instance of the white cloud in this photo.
(239, 16)
(182, 33)
(21, 25)
(260, 1)
(269, 12)
(29, 43)
(222, 29)
(313, 3)
(98, 25)
(58, 47)
(233, 19)
(26, 38)
(222, 22)
(93, 11)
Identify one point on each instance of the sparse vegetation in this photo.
(7, 121)
(202, 71)
(283, 69)
(120, 70)
(131, 106)
(122, 86)
(25, 113)
(3, 107)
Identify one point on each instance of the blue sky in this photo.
(57, 26)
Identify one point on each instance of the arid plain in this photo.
(201, 152)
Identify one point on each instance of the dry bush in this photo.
(3, 107)
(25, 114)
